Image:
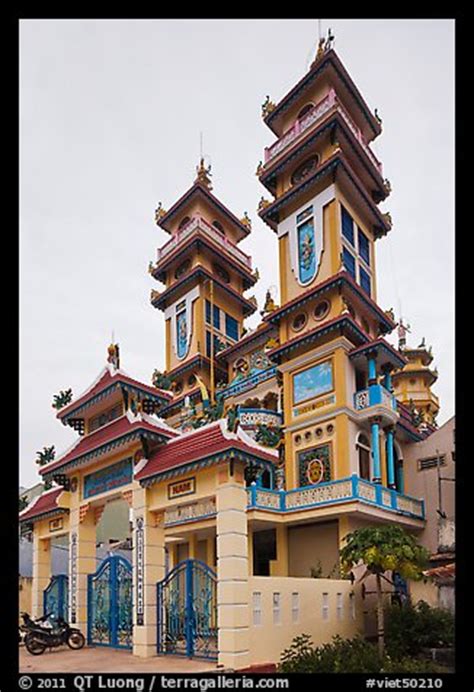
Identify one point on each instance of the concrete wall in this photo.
(425, 484)
(312, 543)
(273, 629)
(25, 594)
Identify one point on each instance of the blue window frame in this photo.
(208, 344)
(364, 246)
(349, 262)
(347, 225)
(364, 280)
(217, 315)
(231, 327)
(208, 312)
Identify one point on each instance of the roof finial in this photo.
(402, 334)
(324, 44)
(203, 174)
(113, 354)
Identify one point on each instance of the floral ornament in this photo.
(45, 456)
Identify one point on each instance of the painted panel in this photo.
(314, 465)
(181, 334)
(109, 478)
(306, 250)
(312, 382)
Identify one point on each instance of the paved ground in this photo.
(104, 660)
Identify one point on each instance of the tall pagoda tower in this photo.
(205, 275)
(326, 184)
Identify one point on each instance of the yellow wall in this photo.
(25, 594)
(312, 542)
(268, 640)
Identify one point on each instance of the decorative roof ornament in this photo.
(269, 305)
(256, 274)
(113, 355)
(246, 221)
(159, 213)
(267, 107)
(390, 314)
(387, 186)
(388, 219)
(260, 169)
(402, 331)
(263, 204)
(377, 117)
(45, 456)
(160, 380)
(423, 343)
(272, 342)
(203, 174)
(154, 295)
(62, 399)
(151, 267)
(324, 45)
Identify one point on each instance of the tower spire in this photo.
(203, 174)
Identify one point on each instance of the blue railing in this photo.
(247, 383)
(372, 396)
(335, 492)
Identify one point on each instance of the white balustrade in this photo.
(318, 494)
(267, 499)
(386, 498)
(190, 511)
(409, 504)
(197, 222)
(366, 490)
(362, 399)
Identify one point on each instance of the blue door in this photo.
(55, 597)
(187, 611)
(109, 604)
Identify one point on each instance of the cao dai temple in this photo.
(246, 462)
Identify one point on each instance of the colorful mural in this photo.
(306, 251)
(314, 465)
(111, 477)
(181, 334)
(312, 382)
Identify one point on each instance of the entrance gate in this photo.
(109, 604)
(187, 611)
(55, 597)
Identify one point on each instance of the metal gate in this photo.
(55, 596)
(187, 611)
(109, 604)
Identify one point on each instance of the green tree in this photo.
(382, 548)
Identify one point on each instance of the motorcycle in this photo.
(54, 632)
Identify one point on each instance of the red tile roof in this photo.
(118, 428)
(105, 379)
(443, 572)
(42, 504)
(202, 443)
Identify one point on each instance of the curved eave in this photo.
(270, 214)
(100, 450)
(44, 515)
(344, 325)
(330, 58)
(231, 453)
(332, 120)
(163, 299)
(246, 274)
(200, 190)
(387, 353)
(342, 279)
(245, 342)
(417, 353)
(198, 361)
(420, 372)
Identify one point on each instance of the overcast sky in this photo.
(111, 113)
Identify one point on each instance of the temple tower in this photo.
(327, 183)
(205, 275)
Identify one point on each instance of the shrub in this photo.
(410, 628)
(340, 656)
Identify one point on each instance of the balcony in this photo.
(352, 489)
(197, 223)
(193, 511)
(375, 395)
(318, 111)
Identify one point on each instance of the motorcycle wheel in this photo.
(76, 640)
(34, 646)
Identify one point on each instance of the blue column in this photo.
(390, 458)
(372, 365)
(387, 379)
(376, 474)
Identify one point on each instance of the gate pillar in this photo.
(148, 569)
(41, 571)
(232, 567)
(82, 562)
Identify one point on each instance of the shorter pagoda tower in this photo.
(205, 275)
(412, 384)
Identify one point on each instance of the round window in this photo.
(219, 227)
(321, 310)
(192, 380)
(319, 432)
(307, 435)
(297, 439)
(299, 321)
(330, 429)
(304, 170)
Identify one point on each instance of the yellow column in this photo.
(192, 543)
(341, 459)
(148, 569)
(279, 567)
(232, 569)
(343, 529)
(41, 571)
(82, 562)
(172, 555)
(210, 552)
(250, 550)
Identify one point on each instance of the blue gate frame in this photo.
(55, 596)
(187, 611)
(109, 604)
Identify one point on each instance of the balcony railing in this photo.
(335, 492)
(181, 514)
(315, 114)
(375, 394)
(197, 222)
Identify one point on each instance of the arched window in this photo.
(183, 222)
(364, 452)
(304, 111)
(219, 227)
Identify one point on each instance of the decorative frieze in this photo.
(73, 577)
(139, 570)
(190, 512)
